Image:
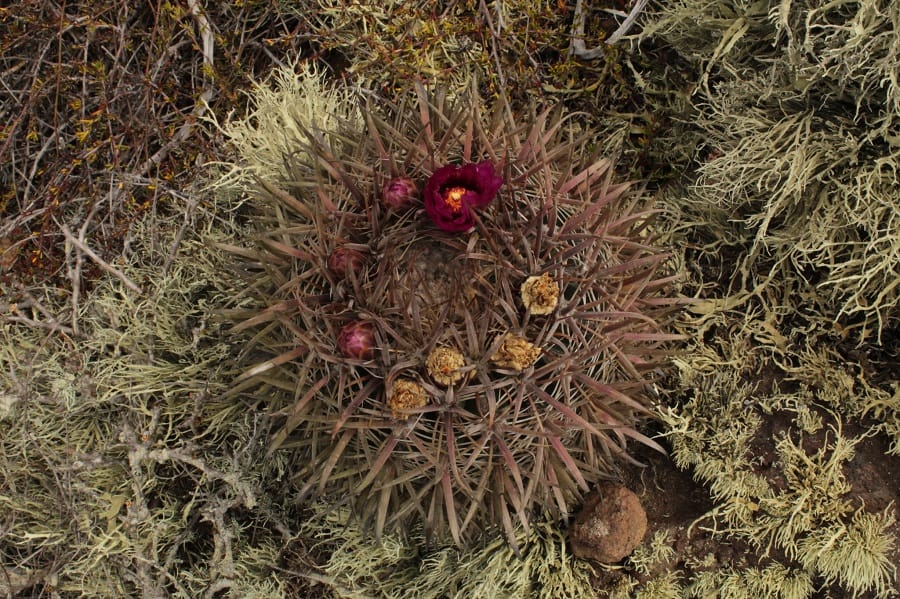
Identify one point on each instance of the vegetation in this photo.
(137, 427)
(526, 331)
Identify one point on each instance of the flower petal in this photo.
(488, 183)
(444, 204)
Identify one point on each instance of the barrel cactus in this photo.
(454, 314)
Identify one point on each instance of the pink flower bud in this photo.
(399, 193)
(344, 260)
(357, 340)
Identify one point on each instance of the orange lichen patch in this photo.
(453, 197)
(406, 395)
(540, 294)
(444, 365)
(516, 353)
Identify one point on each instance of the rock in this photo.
(609, 526)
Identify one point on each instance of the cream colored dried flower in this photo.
(540, 294)
(406, 395)
(516, 353)
(444, 365)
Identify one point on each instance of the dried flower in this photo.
(453, 192)
(399, 193)
(540, 294)
(344, 260)
(444, 365)
(515, 353)
(406, 395)
(357, 340)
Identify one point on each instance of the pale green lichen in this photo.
(718, 435)
(794, 117)
(666, 586)
(293, 102)
(775, 580)
(652, 555)
(825, 377)
(359, 566)
(124, 472)
(815, 499)
(854, 554)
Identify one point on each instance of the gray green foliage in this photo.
(360, 567)
(123, 474)
(795, 123)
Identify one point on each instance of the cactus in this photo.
(465, 356)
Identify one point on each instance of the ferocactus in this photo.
(492, 351)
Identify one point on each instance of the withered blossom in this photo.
(444, 365)
(540, 294)
(406, 395)
(515, 353)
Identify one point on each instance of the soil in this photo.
(674, 502)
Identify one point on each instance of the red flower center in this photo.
(453, 197)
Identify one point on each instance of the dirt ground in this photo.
(677, 504)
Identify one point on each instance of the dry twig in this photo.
(578, 48)
(81, 245)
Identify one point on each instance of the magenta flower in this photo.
(357, 340)
(344, 260)
(399, 193)
(453, 193)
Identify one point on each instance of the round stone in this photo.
(609, 526)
